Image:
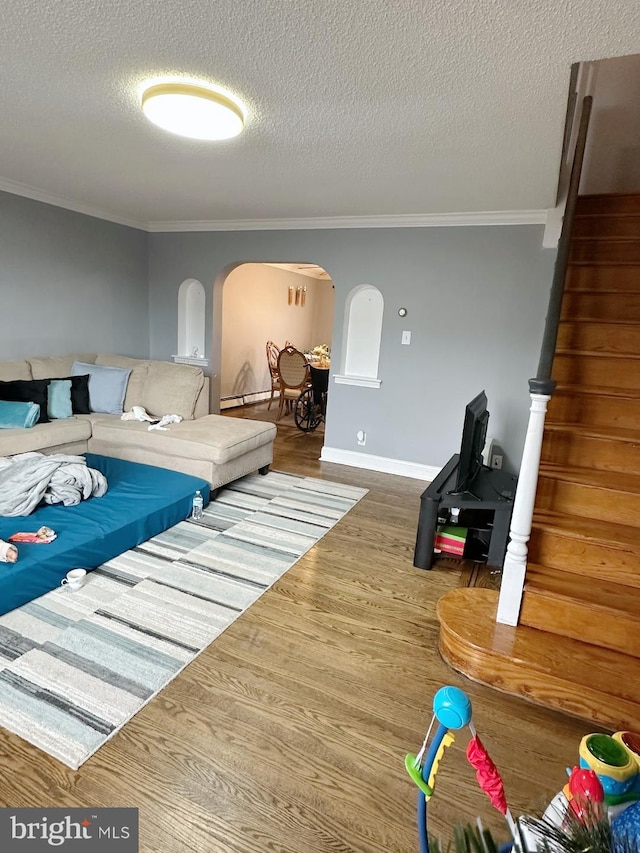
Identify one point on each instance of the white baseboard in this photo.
(244, 399)
(380, 463)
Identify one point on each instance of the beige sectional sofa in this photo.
(216, 448)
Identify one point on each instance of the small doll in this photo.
(8, 552)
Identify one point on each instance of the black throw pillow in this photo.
(28, 391)
(80, 394)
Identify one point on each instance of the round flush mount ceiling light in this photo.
(193, 110)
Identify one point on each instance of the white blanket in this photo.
(139, 413)
(26, 479)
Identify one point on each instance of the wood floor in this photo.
(288, 734)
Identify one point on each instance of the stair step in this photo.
(602, 277)
(586, 547)
(607, 250)
(608, 203)
(621, 371)
(600, 613)
(594, 336)
(605, 407)
(605, 495)
(598, 225)
(621, 306)
(586, 681)
(614, 597)
(610, 449)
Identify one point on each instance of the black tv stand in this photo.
(466, 495)
(493, 489)
(466, 492)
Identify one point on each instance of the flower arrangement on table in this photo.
(321, 350)
(323, 355)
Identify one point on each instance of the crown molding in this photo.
(426, 220)
(58, 201)
(410, 220)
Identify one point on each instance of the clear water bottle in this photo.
(198, 503)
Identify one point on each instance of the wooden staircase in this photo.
(577, 647)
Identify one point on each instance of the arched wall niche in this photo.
(362, 333)
(191, 323)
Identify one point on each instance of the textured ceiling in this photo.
(365, 108)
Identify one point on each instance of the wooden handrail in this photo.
(569, 121)
(543, 384)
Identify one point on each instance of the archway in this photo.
(254, 302)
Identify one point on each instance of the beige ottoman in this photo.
(214, 447)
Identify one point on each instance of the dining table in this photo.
(321, 362)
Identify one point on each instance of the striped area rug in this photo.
(76, 666)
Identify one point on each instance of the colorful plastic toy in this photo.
(452, 710)
(609, 773)
(583, 792)
(608, 776)
(616, 762)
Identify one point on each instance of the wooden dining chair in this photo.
(272, 359)
(293, 375)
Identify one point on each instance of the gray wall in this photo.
(476, 300)
(70, 282)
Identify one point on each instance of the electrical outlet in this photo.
(361, 437)
(496, 460)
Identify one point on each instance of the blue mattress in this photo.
(141, 502)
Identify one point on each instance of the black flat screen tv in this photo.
(474, 435)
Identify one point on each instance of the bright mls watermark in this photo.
(37, 830)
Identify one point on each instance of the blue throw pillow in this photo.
(59, 403)
(107, 386)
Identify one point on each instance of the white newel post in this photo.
(515, 561)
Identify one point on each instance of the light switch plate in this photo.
(406, 338)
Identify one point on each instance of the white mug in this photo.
(74, 579)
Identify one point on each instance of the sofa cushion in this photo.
(172, 389)
(10, 370)
(43, 436)
(107, 386)
(27, 391)
(214, 438)
(57, 366)
(139, 371)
